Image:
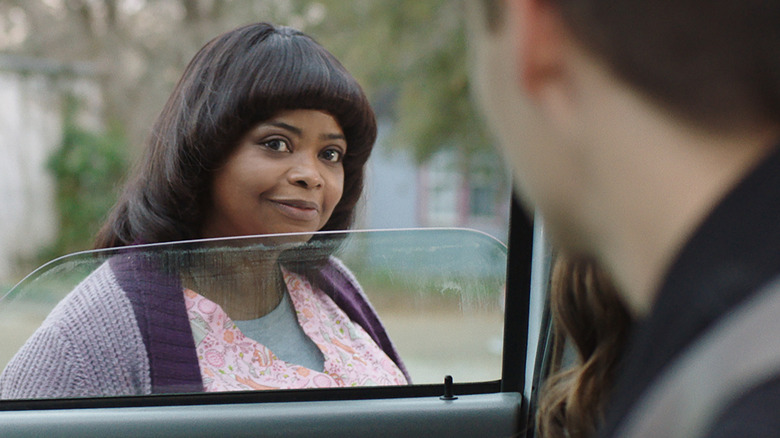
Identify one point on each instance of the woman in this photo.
(588, 316)
(265, 133)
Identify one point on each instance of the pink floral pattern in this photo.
(229, 361)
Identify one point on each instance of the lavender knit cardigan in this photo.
(124, 330)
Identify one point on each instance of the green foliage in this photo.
(87, 169)
(410, 56)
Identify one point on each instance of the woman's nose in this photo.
(304, 173)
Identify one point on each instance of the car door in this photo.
(490, 407)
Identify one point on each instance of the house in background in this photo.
(447, 191)
(33, 93)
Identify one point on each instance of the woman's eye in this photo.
(332, 155)
(277, 144)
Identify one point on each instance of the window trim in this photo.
(513, 369)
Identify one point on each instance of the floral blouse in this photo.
(230, 361)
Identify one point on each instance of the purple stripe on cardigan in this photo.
(158, 303)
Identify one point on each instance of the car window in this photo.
(438, 293)
(441, 294)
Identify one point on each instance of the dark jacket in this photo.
(733, 254)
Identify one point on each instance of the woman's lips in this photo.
(297, 209)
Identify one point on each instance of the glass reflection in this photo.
(179, 317)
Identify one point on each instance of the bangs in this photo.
(290, 72)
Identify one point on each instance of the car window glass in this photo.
(437, 292)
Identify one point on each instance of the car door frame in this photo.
(497, 408)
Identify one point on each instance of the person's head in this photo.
(555, 75)
(259, 93)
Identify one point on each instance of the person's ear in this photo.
(540, 45)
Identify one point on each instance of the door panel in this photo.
(494, 409)
(482, 415)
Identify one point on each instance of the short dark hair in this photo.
(716, 63)
(235, 81)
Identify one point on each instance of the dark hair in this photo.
(713, 62)
(588, 316)
(235, 81)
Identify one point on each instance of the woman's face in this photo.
(285, 175)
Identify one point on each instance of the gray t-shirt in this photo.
(280, 332)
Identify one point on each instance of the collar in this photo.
(731, 255)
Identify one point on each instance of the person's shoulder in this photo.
(96, 309)
(88, 345)
(752, 414)
(752, 407)
(99, 289)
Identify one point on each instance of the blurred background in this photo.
(81, 82)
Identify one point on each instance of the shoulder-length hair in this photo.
(589, 319)
(235, 81)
